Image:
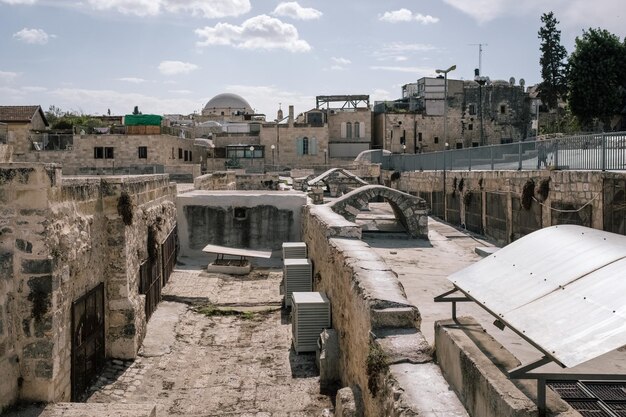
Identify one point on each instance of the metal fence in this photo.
(605, 151)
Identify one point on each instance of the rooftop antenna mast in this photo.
(480, 55)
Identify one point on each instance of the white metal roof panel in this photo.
(562, 287)
(225, 250)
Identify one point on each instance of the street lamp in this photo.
(252, 153)
(273, 147)
(403, 148)
(445, 101)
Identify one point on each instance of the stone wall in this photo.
(224, 180)
(370, 313)
(243, 219)
(6, 153)
(60, 238)
(495, 207)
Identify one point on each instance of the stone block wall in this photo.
(500, 194)
(60, 238)
(224, 180)
(367, 300)
(6, 153)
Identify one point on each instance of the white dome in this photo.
(228, 101)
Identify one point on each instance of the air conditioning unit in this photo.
(309, 317)
(294, 250)
(297, 277)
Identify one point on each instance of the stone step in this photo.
(485, 251)
(99, 410)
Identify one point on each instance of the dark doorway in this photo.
(87, 340)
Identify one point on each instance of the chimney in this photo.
(291, 115)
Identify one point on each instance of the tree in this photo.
(596, 77)
(552, 61)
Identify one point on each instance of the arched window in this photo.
(348, 130)
(357, 130)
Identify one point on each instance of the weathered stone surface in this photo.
(6, 265)
(39, 350)
(24, 245)
(43, 370)
(36, 266)
(404, 345)
(348, 402)
(99, 410)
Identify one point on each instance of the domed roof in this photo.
(228, 101)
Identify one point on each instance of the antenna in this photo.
(480, 55)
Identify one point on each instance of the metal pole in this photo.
(541, 397)
(603, 156)
(491, 152)
(519, 154)
(445, 109)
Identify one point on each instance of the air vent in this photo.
(297, 277)
(310, 316)
(294, 250)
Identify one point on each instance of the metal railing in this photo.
(599, 152)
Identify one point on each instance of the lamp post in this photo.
(273, 147)
(481, 81)
(213, 157)
(403, 148)
(252, 154)
(445, 102)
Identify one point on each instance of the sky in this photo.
(172, 56)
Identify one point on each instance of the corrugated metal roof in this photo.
(563, 288)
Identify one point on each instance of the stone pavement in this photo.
(238, 364)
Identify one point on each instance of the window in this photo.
(436, 139)
(186, 155)
(190, 156)
(357, 130)
(240, 213)
(459, 146)
(348, 130)
(100, 152)
(472, 109)
(503, 109)
(142, 152)
(305, 146)
(419, 137)
(173, 154)
(180, 153)
(470, 126)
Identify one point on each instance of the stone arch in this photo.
(337, 180)
(410, 211)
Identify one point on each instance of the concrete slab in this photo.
(485, 251)
(98, 410)
(160, 334)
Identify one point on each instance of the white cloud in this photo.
(380, 94)
(418, 71)
(133, 80)
(341, 61)
(337, 68)
(259, 32)
(34, 89)
(405, 15)
(33, 36)
(206, 8)
(176, 67)
(295, 11)
(398, 51)
(18, 1)
(180, 91)
(8, 76)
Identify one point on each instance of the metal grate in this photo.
(568, 390)
(589, 408)
(607, 391)
(618, 408)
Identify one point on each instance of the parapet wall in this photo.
(496, 204)
(370, 313)
(59, 239)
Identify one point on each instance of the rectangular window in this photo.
(108, 152)
(190, 156)
(472, 109)
(98, 152)
(459, 146)
(186, 155)
(436, 139)
(470, 126)
(419, 137)
(180, 153)
(502, 109)
(173, 154)
(142, 152)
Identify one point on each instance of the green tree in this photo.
(596, 76)
(552, 61)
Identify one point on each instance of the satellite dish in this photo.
(512, 81)
(488, 80)
(522, 83)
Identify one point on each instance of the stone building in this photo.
(415, 122)
(82, 261)
(19, 122)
